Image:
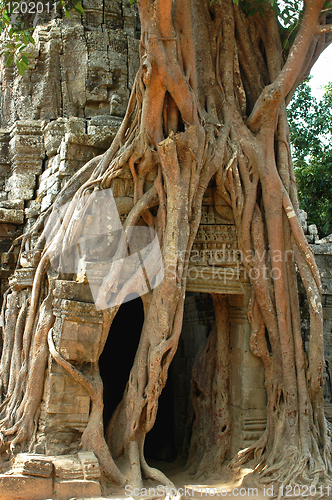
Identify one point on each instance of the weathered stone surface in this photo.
(90, 465)
(77, 330)
(21, 487)
(68, 467)
(12, 204)
(11, 216)
(22, 278)
(7, 230)
(30, 258)
(72, 290)
(21, 186)
(7, 234)
(53, 133)
(32, 465)
(64, 490)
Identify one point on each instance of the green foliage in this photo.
(311, 132)
(18, 19)
(255, 6)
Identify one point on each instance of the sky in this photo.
(321, 73)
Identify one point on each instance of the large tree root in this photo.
(93, 436)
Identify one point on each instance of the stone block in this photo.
(47, 201)
(27, 127)
(102, 136)
(240, 336)
(42, 187)
(46, 173)
(53, 134)
(21, 487)
(12, 204)
(68, 467)
(7, 231)
(72, 290)
(26, 164)
(113, 7)
(118, 41)
(11, 216)
(49, 185)
(254, 376)
(69, 167)
(22, 278)
(97, 40)
(27, 145)
(7, 260)
(73, 71)
(77, 152)
(62, 382)
(75, 125)
(21, 186)
(97, 94)
(64, 490)
(33, 210)
(55, 164)
(133, 60)
(30, 258)
(93, 18)
(79, 342)
(254, 398)
(62, 404)
(90, 465)
(93, 5)
(129, 20)
(29, 464)
(236, 372)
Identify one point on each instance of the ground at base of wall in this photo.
(223, 484)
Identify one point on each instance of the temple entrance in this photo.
(166, 438)
(119, 352)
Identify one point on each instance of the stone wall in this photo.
(322, 249)
(81, 66)
(67, 107)
(63, 112)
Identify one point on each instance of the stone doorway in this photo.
(118, 355)
(166, 439)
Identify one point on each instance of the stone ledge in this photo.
(11, 215)
(21, 487)
(64, 490)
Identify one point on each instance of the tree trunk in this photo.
(208, 105)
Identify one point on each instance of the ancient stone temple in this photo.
(62, 113)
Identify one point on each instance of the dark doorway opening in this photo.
(170, 434)
(159, 442)
(119, 352)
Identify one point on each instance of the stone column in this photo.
(66, 404)
(26, 151)
(248, 395)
